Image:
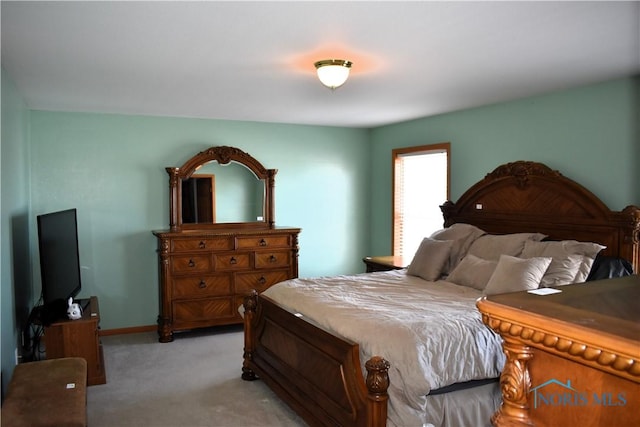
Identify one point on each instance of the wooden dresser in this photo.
(573, 358)
(204, 275)
(222, 242)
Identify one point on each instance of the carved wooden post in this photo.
(515, 384)
(377, 384)
(270, 209)
(294, 253)
(630, 237)
(174, 197)
(165, 331)
(250, 304)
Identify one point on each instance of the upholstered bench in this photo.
(47, 393)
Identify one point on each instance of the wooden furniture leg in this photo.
(250, 303)
(515, 384)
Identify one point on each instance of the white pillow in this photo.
(473, 272)
(589, 251)
(572, 260)
(462, 235)
(517, 274)
(491, 246)
(430, 259)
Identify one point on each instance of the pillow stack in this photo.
(491, 254)
(466, 255)
(571, 260)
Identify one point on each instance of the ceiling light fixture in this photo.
(333, 72)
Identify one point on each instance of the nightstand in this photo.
(384, 263)
(79, 338)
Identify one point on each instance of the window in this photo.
(420, 186)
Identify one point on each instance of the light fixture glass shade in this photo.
(333, 72)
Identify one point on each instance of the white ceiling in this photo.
(254, 60)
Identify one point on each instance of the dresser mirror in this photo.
(221, 187)
(222, 193)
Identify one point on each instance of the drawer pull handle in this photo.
(202, 284)
(233, 260)
(191, 263)
(262, 280)
(263, 242)
(273, 258)
(203, 244)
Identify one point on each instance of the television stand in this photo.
(79, 338)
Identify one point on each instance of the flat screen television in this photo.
(59, 259)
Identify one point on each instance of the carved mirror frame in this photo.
(223, 155)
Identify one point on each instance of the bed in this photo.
(317, 370)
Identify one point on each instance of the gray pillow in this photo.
(473, 272)
(517, 274)
(430, 258)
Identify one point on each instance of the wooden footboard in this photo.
(315, 372)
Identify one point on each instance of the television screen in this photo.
(59, 257)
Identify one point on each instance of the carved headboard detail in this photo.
(531, 197)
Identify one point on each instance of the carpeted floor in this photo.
(192, 381)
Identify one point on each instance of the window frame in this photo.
(422, 149)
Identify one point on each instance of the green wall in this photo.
(15, 269)
(111, 168)
(590, 134)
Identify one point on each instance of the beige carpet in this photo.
(192, 381)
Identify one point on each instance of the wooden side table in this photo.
(79, 338)
(384, 263)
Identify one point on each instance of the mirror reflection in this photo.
(224, 193)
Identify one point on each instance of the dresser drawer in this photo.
(203, 309)
(257, 242)
(232, 261)
(245, 282)
(191, 264)
(196, 286)
(273, 259)
(195, 244)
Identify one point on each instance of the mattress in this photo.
(430, 332)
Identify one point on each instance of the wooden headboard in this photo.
(531, 197)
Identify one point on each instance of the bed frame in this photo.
(319, 374)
